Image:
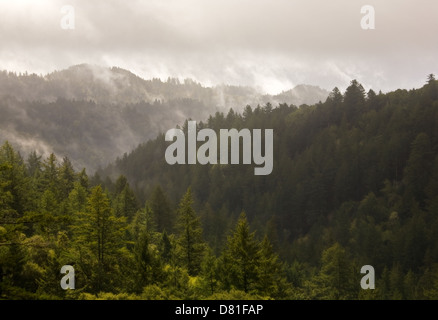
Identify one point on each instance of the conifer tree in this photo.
(125, 203)
(51, 174)
(77, 199)
(337, 279)
(161, 209)
(145, 254)
(241, 257)
(271, 280)
(98, 232)
(67, 178)
(190, 240)
(417, 170)
(14, 174)
(209, 272)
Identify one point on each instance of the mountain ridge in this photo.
(64, 84)
(84, 106)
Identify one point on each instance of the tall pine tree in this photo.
(241, 257)
(190, 242)
(99, 234)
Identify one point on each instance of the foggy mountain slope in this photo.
(302, 94)
(119, 86)
(93, 114)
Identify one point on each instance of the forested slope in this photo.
(92, 114)
(354, 183)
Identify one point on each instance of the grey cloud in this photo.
(274, 44)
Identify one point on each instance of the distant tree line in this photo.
(354, 183)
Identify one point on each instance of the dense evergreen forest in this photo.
(355, 182)
(70, 112)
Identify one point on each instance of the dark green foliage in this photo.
(161, 210)
(146, 255)
(98, 234)
(190, 242)
(354, 183)
(337, 278)
(241, 257)
(93, 119)
(358, 169)
(418, 167)
(125, 202)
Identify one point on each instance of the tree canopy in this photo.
(354, 183)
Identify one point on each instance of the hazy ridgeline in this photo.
(354, 183)
(72, 111)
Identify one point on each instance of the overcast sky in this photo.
(271, 44)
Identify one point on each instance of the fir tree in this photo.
(190, 240)
(241, 257)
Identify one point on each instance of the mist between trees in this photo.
(354, 183)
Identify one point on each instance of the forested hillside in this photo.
(70, 112)
(355, 182)
(358, 170)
